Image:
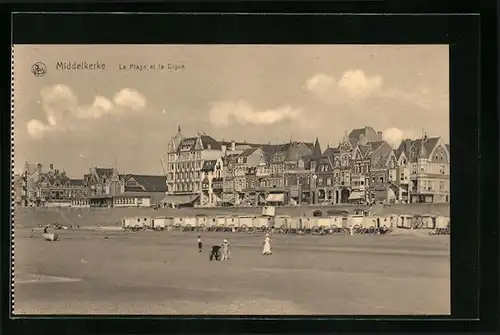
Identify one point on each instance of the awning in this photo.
(275, 197)
(180, 199)
(355, 195)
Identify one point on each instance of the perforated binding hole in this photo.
(12, 252)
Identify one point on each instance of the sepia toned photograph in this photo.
(231, 180)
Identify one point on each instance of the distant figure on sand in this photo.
(225, 250)
(267, 246)
(200, 244)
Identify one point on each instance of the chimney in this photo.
(379, 135)
(223, 149)
(39, 167)
(233, 146)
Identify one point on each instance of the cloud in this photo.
(358, 85)
(223, 114)
(130, 98)
(62, 108)
(355, 86)
(99, 108)
(37, 129)
(394, 136)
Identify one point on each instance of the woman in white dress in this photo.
(225, 250)
(267, 246)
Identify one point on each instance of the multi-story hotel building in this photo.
(185, 159)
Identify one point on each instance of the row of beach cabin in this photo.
(288, 222)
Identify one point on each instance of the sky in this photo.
(125, 114)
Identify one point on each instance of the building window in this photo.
(320, 181)
(441, 185)
(381, 179)
(362, 182)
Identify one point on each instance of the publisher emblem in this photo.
(39, 69)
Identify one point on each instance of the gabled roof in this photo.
(247, 152)
(309, 145)
(430, 144)
(380, 151)
(364, 149)
(150, 183)
(209, 140)
(294, 151)
(404, 146)
(375, 145)
(331, 151)
(208, 165)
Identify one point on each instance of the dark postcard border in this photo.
(461, 32)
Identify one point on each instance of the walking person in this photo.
(267, 246)
(225, 250)
(200, 244)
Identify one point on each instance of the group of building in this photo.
(202, 171)
(363, 168)
(101, 187)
